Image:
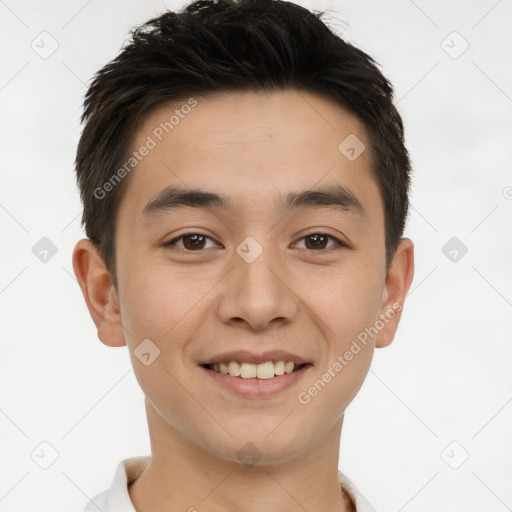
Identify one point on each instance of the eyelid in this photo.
(173, 241)
(340, 244)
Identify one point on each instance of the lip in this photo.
(256, 388)
(245, 356)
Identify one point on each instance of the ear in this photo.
(99, 293)
(398, 282)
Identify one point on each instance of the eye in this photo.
(317, 241)
(191, 242)
(196, 242)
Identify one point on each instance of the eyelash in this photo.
(340, 245)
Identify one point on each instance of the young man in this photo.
(245, 189)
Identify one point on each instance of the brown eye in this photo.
(318, 241)
(191, 242)
(195, 242)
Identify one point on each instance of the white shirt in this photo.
(117, 498)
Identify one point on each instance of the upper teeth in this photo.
(264, 370)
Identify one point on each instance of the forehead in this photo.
(248, 145)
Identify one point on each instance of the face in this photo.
(257, 272)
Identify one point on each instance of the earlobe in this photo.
(398, 282)
(99, 293)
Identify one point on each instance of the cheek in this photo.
(159, 298)
(348, 306)
(346, 301)
(163, 308)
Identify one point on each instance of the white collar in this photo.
(117, 498)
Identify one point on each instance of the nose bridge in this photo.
(256, 291)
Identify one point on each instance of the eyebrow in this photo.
(174, 197)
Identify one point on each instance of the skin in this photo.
(313, 302)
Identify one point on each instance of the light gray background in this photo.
(445, 378)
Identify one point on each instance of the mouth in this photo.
(255, 375)
(262, 371)
(255, 381)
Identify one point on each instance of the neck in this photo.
(182, 475)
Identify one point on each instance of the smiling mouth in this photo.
(262, 371)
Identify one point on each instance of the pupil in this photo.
(316, 237)
(195, 238)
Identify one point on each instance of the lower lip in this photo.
(257, 388)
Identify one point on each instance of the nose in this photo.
(257, 293)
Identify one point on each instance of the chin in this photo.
(251, 446)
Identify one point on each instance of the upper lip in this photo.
(245, 356)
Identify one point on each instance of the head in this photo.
(275, 146)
